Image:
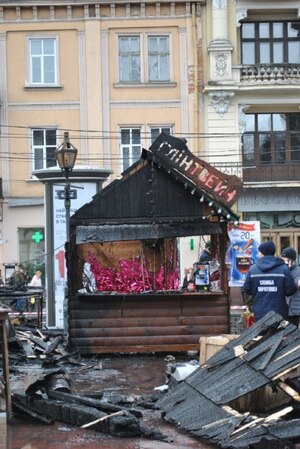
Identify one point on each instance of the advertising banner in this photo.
(242, 250)
(85, 192)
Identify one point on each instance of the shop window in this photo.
(270, 43)
(272, 138)
(44, 144)
(42, 55)
(32, 249)
(130, 146)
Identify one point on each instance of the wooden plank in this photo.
(81, 300)
(142, 309)
(137, 331)
(142, 340)
(95, 349)
(96, 421)
(106, 303)
(289, 390)
(39, 342)
(27, 348)
(140, 313)
(147, 322)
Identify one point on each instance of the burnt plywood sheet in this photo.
(148, 204)
(260, 356)
(146, 192)
(130, 231)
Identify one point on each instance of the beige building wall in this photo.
(88, 100)
(226, 97)
(222, 147)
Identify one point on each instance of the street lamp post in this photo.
(66, 155)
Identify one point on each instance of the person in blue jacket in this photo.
(289, 256)
(269, 281)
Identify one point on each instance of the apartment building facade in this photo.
(112, 74)
(251, 103)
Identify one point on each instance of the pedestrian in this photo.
(290, 259)
(269, 281)
(205, 256)
(18, 282)
(19, 278)
(36, 280)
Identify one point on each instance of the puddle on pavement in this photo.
(128, 374)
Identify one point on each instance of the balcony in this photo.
(268, 74)
(272, 173)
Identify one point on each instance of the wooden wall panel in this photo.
(145, 323)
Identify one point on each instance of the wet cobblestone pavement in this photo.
(128, 374)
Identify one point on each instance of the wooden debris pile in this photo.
(38, 345)
(50, 399)
(204, 402)
(30, 343)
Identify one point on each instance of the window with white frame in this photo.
(158, 58)
(157, 130)
(44, 144)
(144, 58)
(42, 55)
(129, 58)
(130, 146)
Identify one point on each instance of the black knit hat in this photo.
(267, 248)
(289, 253)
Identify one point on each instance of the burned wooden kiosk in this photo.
(124, 292)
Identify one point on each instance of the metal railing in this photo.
(262, 173)
(272, 173)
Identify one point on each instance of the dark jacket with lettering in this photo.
(294, 300)
(269, 281)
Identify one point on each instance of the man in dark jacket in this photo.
(205, 256)
(269, 281)
(290, 258)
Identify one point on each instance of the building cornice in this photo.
(28, 11)
(243, 6)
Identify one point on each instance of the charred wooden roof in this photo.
(260, 356)
(151, 200)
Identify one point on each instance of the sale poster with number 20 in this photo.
(242, 251)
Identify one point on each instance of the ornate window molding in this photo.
(243, 6)
(221, 66)
(243, 108)
(221, 100)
